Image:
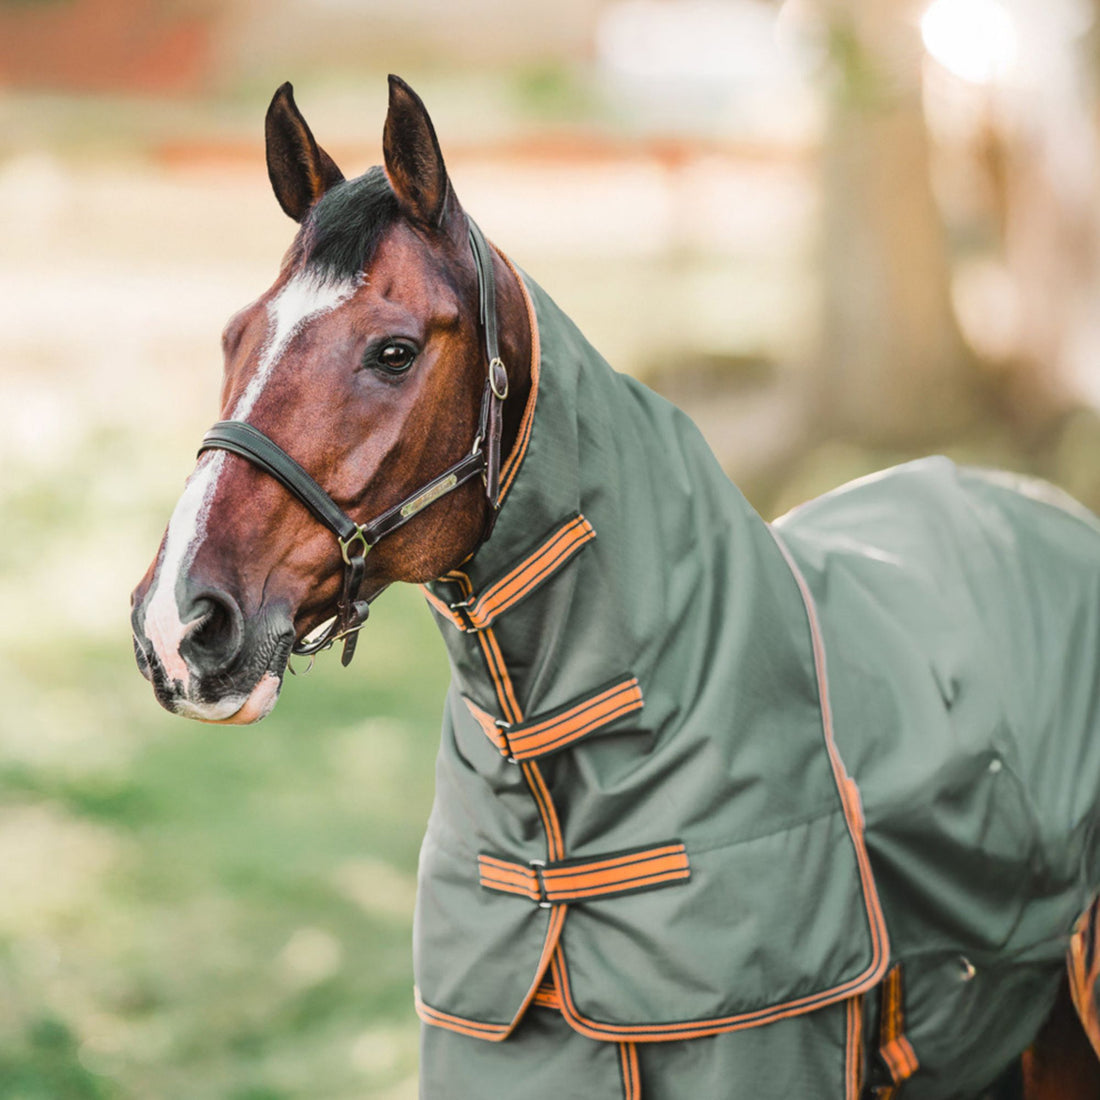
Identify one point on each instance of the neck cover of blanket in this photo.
(637, 790)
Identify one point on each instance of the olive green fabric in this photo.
(961, 622)
(800, 1058)
(685, 588)
(961, 613)
(544, 1060)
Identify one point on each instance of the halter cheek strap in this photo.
(356, 539)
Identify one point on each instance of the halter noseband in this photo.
(356, 539)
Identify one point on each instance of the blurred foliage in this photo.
(210, 911)
(192, 911)
(856, 77)
(553, 91)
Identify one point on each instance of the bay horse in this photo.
(723, 808)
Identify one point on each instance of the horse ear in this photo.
(414, 163)
(299, 169)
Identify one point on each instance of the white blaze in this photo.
(304, 297)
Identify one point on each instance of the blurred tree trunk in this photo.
(894, 367)
(1051, 236)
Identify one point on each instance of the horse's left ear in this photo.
(299, 169)
(414, 163)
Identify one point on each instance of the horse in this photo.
(722, 807)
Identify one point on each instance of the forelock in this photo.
(340, 235)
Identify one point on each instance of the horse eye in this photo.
(396, 357)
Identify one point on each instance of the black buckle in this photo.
(538, 866)
(504, 727)
(461, 611)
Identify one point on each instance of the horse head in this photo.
(365, 365)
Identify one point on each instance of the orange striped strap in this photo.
(547, 996)
(477, 612)
(628, 1066)
(571, 880)
(555, 730)
(895, 1050)
(1083, 960)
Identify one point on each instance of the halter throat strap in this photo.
(356, 539)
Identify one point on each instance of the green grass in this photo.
(203, 911)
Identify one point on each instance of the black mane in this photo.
(342, 231)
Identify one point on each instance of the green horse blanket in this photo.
(726, 808)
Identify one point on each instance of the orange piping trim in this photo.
(545, 559)
(590, 714)
(441, 606)
(456, 1023)
(1083, 980)
(583, 893)
(910, 1054)
(853, 1059)
(561, 737)
(628, 1064)
(896, 1050)
(555, 843)
(463, 581)
(626, 859)
(846, 786)
(581, 876)
(488, 726)
(512, 885)
(577, 881)
(506, 697)
(501, 680)
(861, 983)
(547, 997)
(512, 712)
(600, 703)
(557, 542)
(496, 1033)
(900, 1058)
(515, 459)
(849, 797)
(698, 1029)
(549, 946)
(558, 549)
(543, 736)
(521, 580)
(583, 882)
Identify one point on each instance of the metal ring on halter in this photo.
(360, 536)
(498, 378)
(242, 438)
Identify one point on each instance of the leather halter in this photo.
(356, 539)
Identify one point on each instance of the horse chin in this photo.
(236, 710)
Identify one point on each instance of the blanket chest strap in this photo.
(477, 612)
(547, 733)
(573, 880)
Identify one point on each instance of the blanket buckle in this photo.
(538, 866)
(504, 727)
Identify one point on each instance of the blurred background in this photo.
(840, 233)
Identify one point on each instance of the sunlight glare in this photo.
(974, 39)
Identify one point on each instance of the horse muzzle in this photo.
(210, 663)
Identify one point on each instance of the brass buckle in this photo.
(360, 536)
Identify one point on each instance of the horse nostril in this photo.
(217, 633)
